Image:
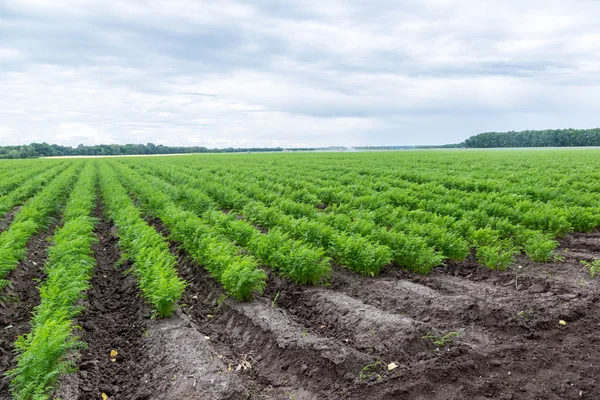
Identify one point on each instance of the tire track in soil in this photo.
(19, 299)
(249, 331)
(280, 370)
(167, 359)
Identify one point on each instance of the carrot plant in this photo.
(153, 264)
(15, 179)
(353, 251)
(423, 207)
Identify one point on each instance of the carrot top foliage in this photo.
(153, 264)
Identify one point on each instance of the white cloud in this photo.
(7, 55)
(294, 74)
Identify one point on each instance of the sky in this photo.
(294, 73)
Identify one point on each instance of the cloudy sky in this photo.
(294, 73)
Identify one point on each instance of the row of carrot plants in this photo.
(497, 251)
(351, 245)
(511, 199)
(27, 189)
(562, 178)
(358, 253)
(15, 179)
(153, 264)
(238, 273)
(444, 231)
(301, 203)
(496, 239)
(294, 259)
(43, 353)
(33, 216)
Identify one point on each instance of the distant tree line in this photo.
(544, 138)
(35, 150)
(441, 146)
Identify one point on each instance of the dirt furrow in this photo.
(8, 219)
(386, 335)
(511, 342)
(335, 342)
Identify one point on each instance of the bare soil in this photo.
(8, 219)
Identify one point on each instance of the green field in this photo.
(246, 218)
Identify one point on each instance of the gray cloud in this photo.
(312, 73)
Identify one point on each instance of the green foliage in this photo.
(153, 264)
(593, 266)
(288, 257)
(239, 274)
(434, 207)
(441, 341)
(539, 247)
(42, 359)
(33, 216)
(242, 278)
(495, 257)
(360, 255)
(542, 138)
(25, 181)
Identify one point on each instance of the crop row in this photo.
(498, 223)
(14, 179)
(294, 259)
(367, 255)
(25, 190)
(401, 209)
(238, 273)
(42, 352)
(33, 216)
(443, 236)
(153, 264)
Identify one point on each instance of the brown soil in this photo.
(19, 299)
(8, 219)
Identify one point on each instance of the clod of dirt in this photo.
(538, 288)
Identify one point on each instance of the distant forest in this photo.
(545, 138)
(35, 150)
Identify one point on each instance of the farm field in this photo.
(382, 275)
